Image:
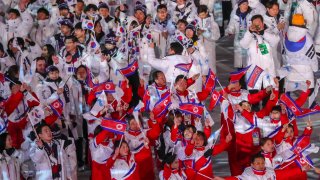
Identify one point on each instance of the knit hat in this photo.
(103, 5)
(110, 39)
(63, 6)
(297, 20)
(52, 68)
(66, 22)
(192, 27)
(141, 7)
(241, 1)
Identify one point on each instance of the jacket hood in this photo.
(295, 33)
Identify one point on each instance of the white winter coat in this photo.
(42, 161)
(166, 64)
(13, 163)
(303, 60)
(238, 27)
(249, 174)
(310, 15)
(42, 32)
(251, 41)
(19, 27)
(208, 38)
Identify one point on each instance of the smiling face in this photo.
(181, 85)
(188, 133)
(289, 133)
(124, 149)
(259, 164)
(273, 11)
(161, 79)
(189, 33)
(268, 147)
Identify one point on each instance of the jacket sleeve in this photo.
(279, 137)
(272, 39)
(154, 131)
(302, 98)
(110, 163)
(213, 33)
(307, 131)
(257, 97)
(13, 102)
(36, 154)
(160, 64)
(267, 109)
(174, 134)
(248, 115)
(189, 149)
(102, 136)
(218, 148)
(246, 40)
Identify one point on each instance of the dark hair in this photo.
(170, 118)
(242, 102)
(3, 139)
(78, 26)
(194, 129)
(155, 74)
(40, 58)
(117, 144)
(182, 21)
(161, 6)
(97, 130)
(169, 158)
(176, 47)
(1, 48)
(129, 118)
(256, 156)
(264, 140)
(81, 66)
(270, 4)
(40, 126)
(15, 11)
(203, 136)
(73, 38)
(202, 8)
(51, 52)
(89, 7)
(276, 108)
(12, 72)
(15, 81)
(20, 42)
(179, 77)
(43, 10)
(257, 16)
(291, 126)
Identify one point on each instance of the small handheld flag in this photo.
(114, 126)
(191, 108)
(130, 69)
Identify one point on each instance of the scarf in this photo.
(52, 153)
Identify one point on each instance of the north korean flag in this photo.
(192, 108)
(107, 87)
(214, 100)
(130, 69)
(291, 104)
(162, 106)
(210, 83)
(184, 67)
(254, 76)
(115, 126)
(57, 107)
